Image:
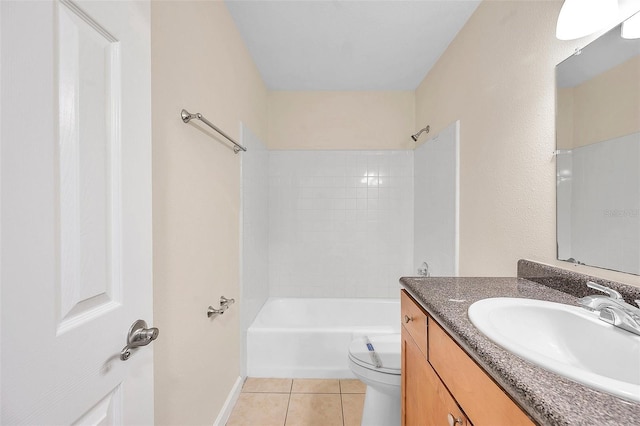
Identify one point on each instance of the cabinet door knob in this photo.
(407, 319)
(453, 421)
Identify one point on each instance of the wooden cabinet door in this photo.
(442, 409)
(415, 383)
(425, 400)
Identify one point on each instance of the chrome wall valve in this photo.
(226, 302)
(213, 312)
(224, 305)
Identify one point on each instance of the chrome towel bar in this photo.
(187, 117)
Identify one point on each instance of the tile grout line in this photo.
(342, 407)
(286, 414)
(315, 393)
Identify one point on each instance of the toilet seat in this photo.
(382, 399)
(386, 346)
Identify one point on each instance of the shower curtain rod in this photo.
(187, 116)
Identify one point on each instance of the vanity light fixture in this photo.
(631, 27)
(579, 18)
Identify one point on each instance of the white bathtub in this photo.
(298, 338)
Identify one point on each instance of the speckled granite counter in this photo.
(548, 398)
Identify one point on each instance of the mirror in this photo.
(598, 154)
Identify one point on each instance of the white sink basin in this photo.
(567, 340)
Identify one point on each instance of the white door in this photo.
(75, 194)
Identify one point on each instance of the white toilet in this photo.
(382, 401)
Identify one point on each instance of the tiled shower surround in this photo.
(340, 222)
(255, 226)
(323, 224)
(600, 227)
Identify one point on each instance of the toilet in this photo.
(382, 400)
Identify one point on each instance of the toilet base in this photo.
(381, 409)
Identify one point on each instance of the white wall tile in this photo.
(331, 240)
(254, 189)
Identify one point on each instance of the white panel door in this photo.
(75, 194)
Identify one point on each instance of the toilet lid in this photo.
(386, 346)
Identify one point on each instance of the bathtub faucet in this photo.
(424, 270)
(224, 305)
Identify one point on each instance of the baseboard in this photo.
(225, 412)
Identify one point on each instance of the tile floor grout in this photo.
(286, 413)
(341, 405)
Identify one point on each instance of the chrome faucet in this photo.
(424, 270)
(612, 308)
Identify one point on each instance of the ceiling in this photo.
(347, 44)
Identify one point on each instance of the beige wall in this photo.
(603, 108)
(200, 63)
(564, 118)
(497, 77)
(608, 104)
(341, 120)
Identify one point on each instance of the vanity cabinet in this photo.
(441, 384)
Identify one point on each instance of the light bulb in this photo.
(631, 27)
(579, 18)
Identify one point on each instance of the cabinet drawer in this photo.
(414, 320)
(482, 399)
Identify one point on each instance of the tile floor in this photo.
(299, 402)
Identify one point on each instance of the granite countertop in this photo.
(548, 398)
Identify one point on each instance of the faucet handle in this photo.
(620, 318)
(226, 302)
(609, 291)
(424, 270)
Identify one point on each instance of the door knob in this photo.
(139, 335)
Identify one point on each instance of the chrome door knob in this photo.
(139, 335)
(144, 336)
